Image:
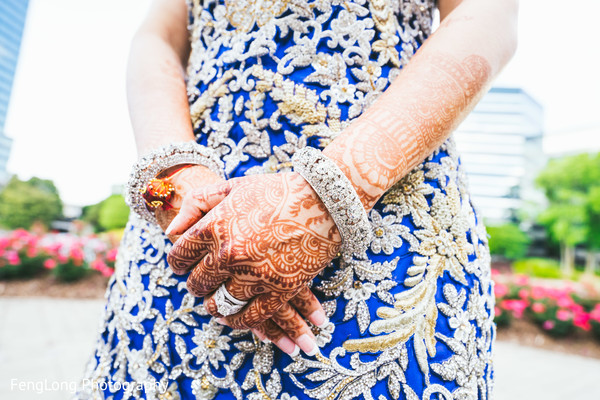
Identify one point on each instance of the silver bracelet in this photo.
(158, 160)
(339, 197)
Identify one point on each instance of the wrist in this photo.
(159, 162)
(339, 197)
(194, 175)
(340, 151)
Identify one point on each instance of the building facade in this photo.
(502, 152)
(12, 22)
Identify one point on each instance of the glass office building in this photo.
(12, 22)
(501, 149)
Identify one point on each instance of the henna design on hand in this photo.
(264, 236)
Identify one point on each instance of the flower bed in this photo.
(559, 310)
(68, 257)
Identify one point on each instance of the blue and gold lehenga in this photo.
(413, 321)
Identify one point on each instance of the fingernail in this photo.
(307, 344)
(261, 337)
(324, 324)
(221, 321)
(286, 345)
(318, 318)
(295, 352)
(169, 229)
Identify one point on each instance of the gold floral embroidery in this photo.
(443, 247)
(387, 25)
(243, 14)
(207, 100)
(299, 104)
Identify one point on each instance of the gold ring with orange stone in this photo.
(159, 191)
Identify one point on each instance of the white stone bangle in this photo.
(339, 197)
(158, 160)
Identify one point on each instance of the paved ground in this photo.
(45, 343)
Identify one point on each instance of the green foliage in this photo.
(572, 186)
(502, 318)
(538, 267)
(595, 328)
(24, 202)
(70, 271)
(555, 320)
(91, 215)
(113, 213)
(508, 241)
(27, 268)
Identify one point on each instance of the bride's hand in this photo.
(265, 237)
(184, 182)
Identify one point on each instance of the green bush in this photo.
(508, 241)
(595, 328)
(113, 213)
(24, 202)
(538, 267)
(502, 318)
(70, 271)
(27, 268)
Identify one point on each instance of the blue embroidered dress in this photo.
(413, 321)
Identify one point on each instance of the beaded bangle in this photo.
(339, 197)
(149, 166)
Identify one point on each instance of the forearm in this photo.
(156, 92)
(429, 98)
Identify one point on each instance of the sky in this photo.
(68, 114)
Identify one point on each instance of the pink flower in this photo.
(538, 292)
(20, 233)
(77, 254)
(547, 325)
(54, 247)
(582, 320)
(50, 263)
(497, 311)
(107, 271)
(595, 313)
(538, 307)
(576, 308)
(13, 257)
(524, 294)
(516, 306)
(32, 252)
(522, 280)
(563, 315)
(565, 301)
(111, 256)
(101, 266)
(98, 264)
(500, 290)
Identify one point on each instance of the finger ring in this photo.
(226, 303)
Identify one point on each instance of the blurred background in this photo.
(530, 148)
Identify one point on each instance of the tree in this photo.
(572, 186)
(24, 202)
(508, 241)
(91, 215)
(113, 213)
